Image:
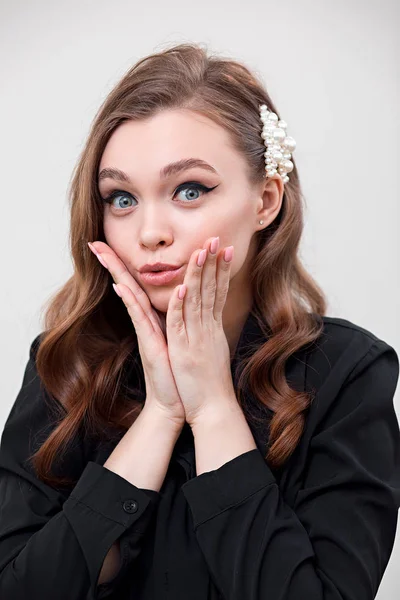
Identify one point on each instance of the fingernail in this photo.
(93, 249)
(103, 262)
(201, 259)
(182, 291)
(228, 254)
(214, 245)
(117, 290)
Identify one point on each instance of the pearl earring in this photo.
(261, 222)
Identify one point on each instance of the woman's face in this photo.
(155, 218)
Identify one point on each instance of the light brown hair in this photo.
(89, 347)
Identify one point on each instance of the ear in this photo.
(270, 200)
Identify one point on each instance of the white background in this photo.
(331, 68)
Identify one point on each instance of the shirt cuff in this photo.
(102, 507)
(112, 496)
(212, 492)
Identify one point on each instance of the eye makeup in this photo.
(190, 185)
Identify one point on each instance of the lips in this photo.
(161, 277)
(158, 267)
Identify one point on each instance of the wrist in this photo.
(216, 414)
(220, 436)
(157, 414)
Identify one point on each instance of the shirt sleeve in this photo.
(334, 543)
(52, 543)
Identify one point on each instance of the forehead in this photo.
(145, 146)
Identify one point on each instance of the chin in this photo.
(159, 298)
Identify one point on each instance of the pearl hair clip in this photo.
(279, 145)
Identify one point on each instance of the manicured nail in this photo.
(228, 254)
(214, 245)
(93, 249)
(201, 259)
(182, 291)
(117, 290)
(103, 262)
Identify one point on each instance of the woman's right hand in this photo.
(150, 327)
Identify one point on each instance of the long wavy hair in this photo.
(88, 348)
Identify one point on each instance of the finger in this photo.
(140, 319)
(192, 301)
(223, 281)
(120, 274)
(192, 312)
(209, 285)
(174, 321)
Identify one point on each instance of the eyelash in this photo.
(186, 185)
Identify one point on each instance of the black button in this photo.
(130, 506)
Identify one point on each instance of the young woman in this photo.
(207, 432)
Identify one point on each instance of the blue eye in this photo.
(117, 194)
(192, 188)
(190, 185)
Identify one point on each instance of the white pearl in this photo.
(282, 124)
(278, 156)
(279, 134)
(289, 143)
(288, 165)
(287, 155)
(273, 117)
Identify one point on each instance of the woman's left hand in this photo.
(197, 345)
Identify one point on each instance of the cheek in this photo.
(116, 236)
(109, 231)
(239, 236)
(235, 232)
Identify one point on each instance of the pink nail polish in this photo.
(201, 259)
(103, 262)
(228, 254)
(182, 291)
(214, 245)
(117, 290)
(93, 249)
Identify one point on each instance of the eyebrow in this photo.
(171, 169)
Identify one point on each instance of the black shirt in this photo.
(320, 528)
